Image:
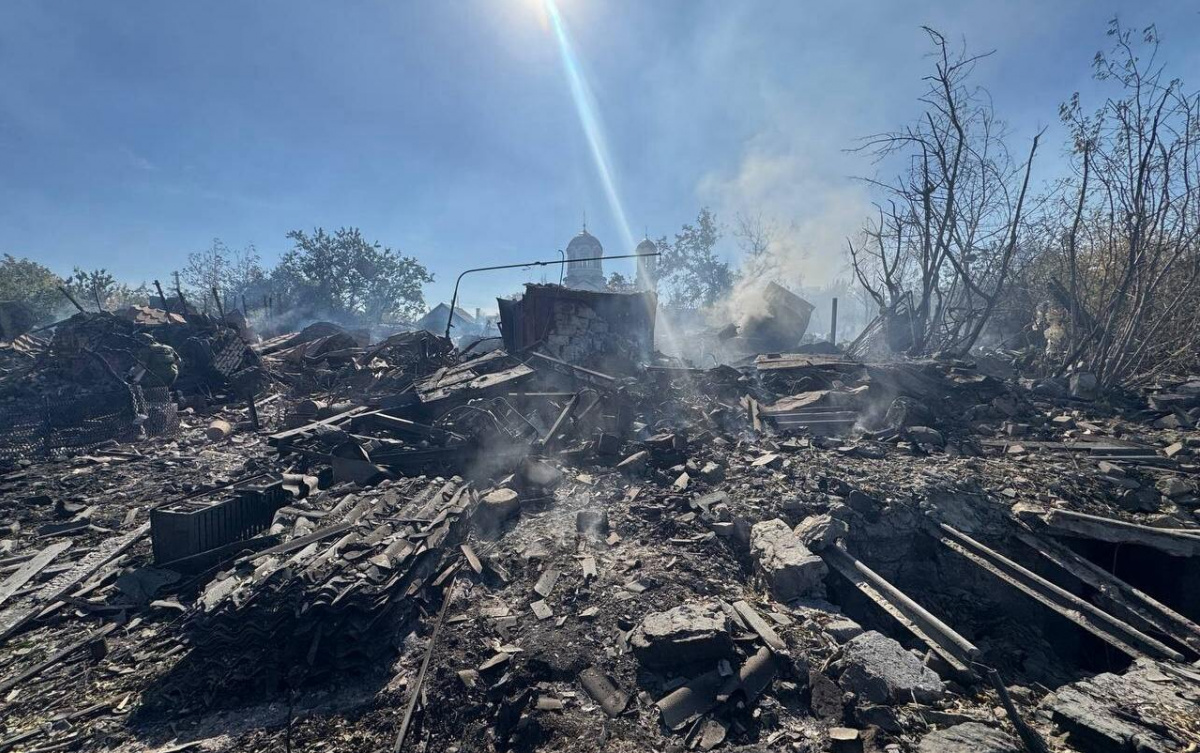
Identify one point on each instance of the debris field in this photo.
(569, 542)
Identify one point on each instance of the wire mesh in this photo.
(52, 427)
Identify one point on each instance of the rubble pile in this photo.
(105, 376)
(558, 544)
(324, 357)
(305, 609)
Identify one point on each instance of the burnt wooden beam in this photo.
(951, 647)
(1176, 542)
(1118, 634)
(1137, 604)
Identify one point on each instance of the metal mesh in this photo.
(228, 350)
(51, 427)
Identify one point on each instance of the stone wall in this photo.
(609, 332)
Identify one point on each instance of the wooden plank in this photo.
(1119, 634)
(472, 558)
(1083, 525)
(760, 626)
(20, 612)
(551, 438)
(290, 434)
(17, 580)
(786, 361)
(56, 657)
(403, 426)
(595, 378)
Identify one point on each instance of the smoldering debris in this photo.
(319, 541)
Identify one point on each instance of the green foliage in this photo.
(91, 288)
(235, 274)
(247, 277)
(98, 290)
(31, 283)
(207, 270)
(343, 275)
(619, 283)
(123, 296)
(690, 271)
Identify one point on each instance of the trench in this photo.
(1173, 581)
(1026, 641)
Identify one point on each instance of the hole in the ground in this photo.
(1173, 581)
(1026, 641)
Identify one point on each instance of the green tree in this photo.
(342, 274)
(619, 283)
(123, 295)
(93, 287)
(206, 270)
(691, 273)
(247, 278)
(28, 282)
(235, 274)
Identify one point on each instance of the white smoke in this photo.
(803, 210)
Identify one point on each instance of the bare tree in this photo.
(942, 246)
(208, 270)
(754, 236)
(1126, 254)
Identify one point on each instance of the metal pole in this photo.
(71, 298)
(833, 324)
(454, 298)
(163, 296)
(253, 413)
(179, 292)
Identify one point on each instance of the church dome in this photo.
(646, 247)
(584, 246)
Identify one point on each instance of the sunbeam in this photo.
(585, 107)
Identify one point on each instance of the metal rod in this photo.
(950, 639)
(833, 324)
(71, 298)
(163, 296)
(1032, 741)
(447, 597)
(179, 292)
(1086, 615)
(454, 298)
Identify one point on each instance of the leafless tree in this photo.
(1125, 260)
(948, 227)
(754, 236)
(766, 255)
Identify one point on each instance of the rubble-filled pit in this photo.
(1025, 641)
(1174, 581)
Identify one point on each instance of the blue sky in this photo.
(134, 132)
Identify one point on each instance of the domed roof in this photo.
(584, 246)
(646, 247)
